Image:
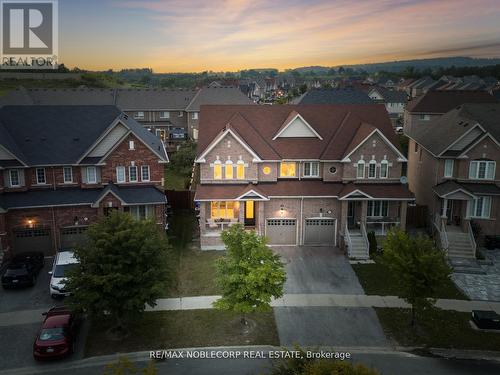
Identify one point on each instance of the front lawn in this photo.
(194, 270)
(377, 280)
(181, 329)
(436, 329)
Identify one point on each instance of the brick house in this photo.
(452, 170)
(300, 174)
(62, 167)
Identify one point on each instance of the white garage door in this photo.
(320, 231)
(281, 231)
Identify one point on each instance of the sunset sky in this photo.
(195, 35)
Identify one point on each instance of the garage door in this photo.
(39, 239)
(281, 231)
(319, 231)
(73, 236)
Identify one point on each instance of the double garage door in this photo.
(40, 239)
(317, 231)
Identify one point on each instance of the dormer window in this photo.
(228, 175)
(40, 176)
(360, 169)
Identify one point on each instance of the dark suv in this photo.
(23, 270)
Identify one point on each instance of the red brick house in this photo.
(300, 174)
(62, 167)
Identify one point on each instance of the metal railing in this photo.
(441, 229)
(347, 238)
(472, 239)
(381, 227)
(365, 237)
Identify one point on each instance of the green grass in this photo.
(435, 329)
(378, 280)
(175, 180)
(194, 269)
(181, 329)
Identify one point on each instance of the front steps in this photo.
(460, 245)
(358, 248)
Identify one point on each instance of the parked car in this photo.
(57, 335)
(23, 269)
(63, 262)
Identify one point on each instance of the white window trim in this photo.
(448, 175)
(122, 168)
(229, 164)
(95, 175)
(142, 173)
(240, 163)
(131, 145)
(18, 178)
(194, 116)
(485, 208)
(71, 175)
(181, 114)
(139, 115)
(44, 176)
(164, 114)
(310, 163)
(386, 163)
(130, 174)
(488, 166)
(218, 162)
(374, 163)
(380, 210)
(361, 162)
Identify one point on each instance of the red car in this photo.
(57, 335)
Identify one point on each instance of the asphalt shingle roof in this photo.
(218, 95)
(444, 101)
(392, 96)
(335, 96)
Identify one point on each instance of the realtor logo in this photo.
(29, 34)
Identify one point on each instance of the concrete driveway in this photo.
(316, 270)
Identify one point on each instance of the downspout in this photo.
(301, 220)
(54, 228)
(54, 178)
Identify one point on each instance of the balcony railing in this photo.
(381, 225)
(218, 225)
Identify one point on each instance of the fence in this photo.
(180, 199)
(416, 216)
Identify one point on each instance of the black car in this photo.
(23, 270)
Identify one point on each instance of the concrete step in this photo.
(466, 265)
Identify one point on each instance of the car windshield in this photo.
(52, 334)
(15, 269)
(62, 269)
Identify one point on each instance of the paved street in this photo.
(315, 270)
(484, 287)
(386, 361)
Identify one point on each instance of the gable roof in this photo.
(46, 135)
(436, 136)
(218, 95)
(335, 96)
(444, 101)
(290, 121)
(391, 96)
(154, 99)
(257, 125)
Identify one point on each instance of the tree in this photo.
(122, 268)
(250, 274)
(418, 265)
(182, 160)
(303, 88)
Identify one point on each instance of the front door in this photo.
(249, 213)
(351, 216)
(449, 212)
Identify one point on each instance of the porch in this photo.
(377, 216)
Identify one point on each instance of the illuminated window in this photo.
(217, 170)
(266, 170)
(229, 170)
(222, 210)
(287, 169)
(240, 170)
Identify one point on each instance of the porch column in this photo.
(203, 216)
(364, 211)
(241, 212)
(343, 215)
(402, 215)
(445, 208)
(260, 218)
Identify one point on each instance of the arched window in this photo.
(372, 169)
(240, 170)
(360, 169)
(229, 170)
(217, 170)
(384, 169)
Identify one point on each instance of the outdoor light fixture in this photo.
(282, 209)
(31, 222)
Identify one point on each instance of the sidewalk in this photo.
(288, 300)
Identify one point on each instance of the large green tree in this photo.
(250, 274)
(123, 267)
(418, 265)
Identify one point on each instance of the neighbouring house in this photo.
(394, 100)
(434, 104)
(63, 167)
(452, 170)
(211, 95)
(333, 96)
(300, 174)
(170, 114)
